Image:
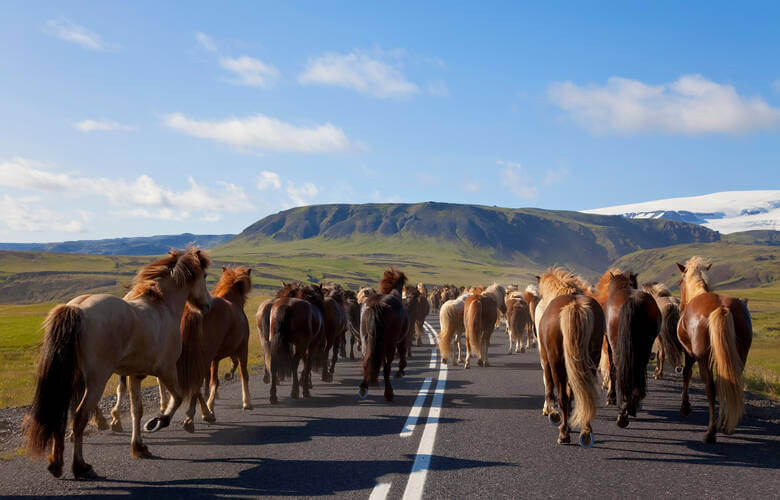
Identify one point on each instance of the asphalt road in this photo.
(480, 433)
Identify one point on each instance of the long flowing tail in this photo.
(191, 366)
(371, 326)
(669, 342)
(57, 372)
(725, 360)
(628, 376)
(473, 323)
(576, 326)
(447, 331)
(280, 355)
(604, 363)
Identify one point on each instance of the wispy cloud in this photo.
(471, 186)
(438, 89)
(370, 74)
(87, 126)
(26, 214)
(265, 133)
(249, 71)
(554, 176)
(303, 194)
(296, 195)
(517, 179)
(690, 105)
(268, 180)
(73, 33)
(206, 42)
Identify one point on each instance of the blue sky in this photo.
(141, 118)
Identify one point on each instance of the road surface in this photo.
(478, 433)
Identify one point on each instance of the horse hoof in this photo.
(710, 438)
(274, 400)
(362, 392)
(209, 419)
(84, 472)
(266, 379)
(228, 376)
(685, 409)
(622, 420)
(522, 349)
(189, 426)
(611, 402)
(139, 451)
(116, 426)
(586, 440)
(564, 440)
(678, 370)
(55, 469)
(389, 397)
(306, 394)
(153, 425)
(248, 407)
(554, 418)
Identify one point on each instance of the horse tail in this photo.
(604, 363)
(725, 360)
(57, 373)
(473, 324)
(628, 377)
(191, 366)
(370, 328)
(447, 330)
(280, 355)
(577, 323)
(669, 342)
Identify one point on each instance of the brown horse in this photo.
(435, 299)
(480, 314)
(423, 308)
(93, 336)
(294, 330)
(531, 297)
(571, 327)
(451, 321)
(633, 322)
(667, 344)
(352, 311)
(518, 322)
(715, 331)
(334, 326)
(410, 297)
(383, 331)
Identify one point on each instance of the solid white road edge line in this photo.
(422, 460)
(417, 407)
(380, 491)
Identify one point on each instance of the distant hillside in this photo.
(527, 237)
(142, 245)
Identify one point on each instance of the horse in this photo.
(531, 297)
(423, 308)
(518, 321)
(633, 322)
(365, 293)
(352, 310)
(716, 331)
(263, 322)
(451, 321)
(498, 294)
(334, 328)
(570, 326)
(93, 336)
(435, 299)
(295, 328)
(666, 343)
(409, 297)
(479, 319)
(384, 325)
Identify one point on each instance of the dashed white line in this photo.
(380, 491)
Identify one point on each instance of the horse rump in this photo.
(281, 362)
(191, 367)
(725, 361)
(57, 375)
(668, 334)
(371, 334)
(577, 323)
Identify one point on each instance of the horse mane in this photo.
(392, 279)
(411, 292)
(364, 293)
(558, 281)
(532, 289)
(234, 278)
(696, 280)
(656, 289)
(602, 287)
(179, 265)
(309, 293)
(619, 281)
(515, 294)
(477, 290)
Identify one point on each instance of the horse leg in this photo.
(189, 414)
(386, 373)
(611, 392)
(307, 376)
(511, 341)
(401, 361)
(295, 391)
(170, 379)
(273, 399)
(467, 362)
(564, 403)
(685, 408)
(549, 394)
(352, 347)
(121, 388)
(458, 343)
(205, 413)
(343, 344)
(95, 383)
(232, 373)
(658, 373)
(213, 384)
(484, 356)
(709, 384)
(137, 448)
(163, 395)
(242, 363)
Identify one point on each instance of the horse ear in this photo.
(538, 278)
(708, 266)
(611, 275)
(680, 267)
(249, 271)
(224, 268)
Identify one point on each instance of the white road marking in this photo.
(380, 491)
(414, 414)
(422, 460)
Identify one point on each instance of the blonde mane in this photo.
(695, 279)
(532, 289)
(234, 278)
(557, 281)
(657, 289)
(179, 266)
(602, 287)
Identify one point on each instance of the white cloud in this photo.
(25, 214)
(555, 176)
(249, 71)
(303, 194)
(691, 105)
(205, 42)
(70, 32)
(517, 179)
(265, 133)
(471, 186)
(268, 180)
(87, 126)
(366, 73)
(438, 89)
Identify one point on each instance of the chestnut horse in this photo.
(410, 297)
(715, 331)
(384, 325)
(518, 322)
(571, 327)
(451, 321)
(667, 344)
(93, 336)
(531, 297)
(294, 330)
(633, 322)
(479, 319)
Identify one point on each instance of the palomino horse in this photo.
(715, 331)
(451, 321)
(633, 322)
(479, 319)
(383, 331)
(294, 329)
(518, 322)
(93, 336)
(570, 330)
(667, 343)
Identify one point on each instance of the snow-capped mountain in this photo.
(726, 212)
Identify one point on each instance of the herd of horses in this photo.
(169, 326)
